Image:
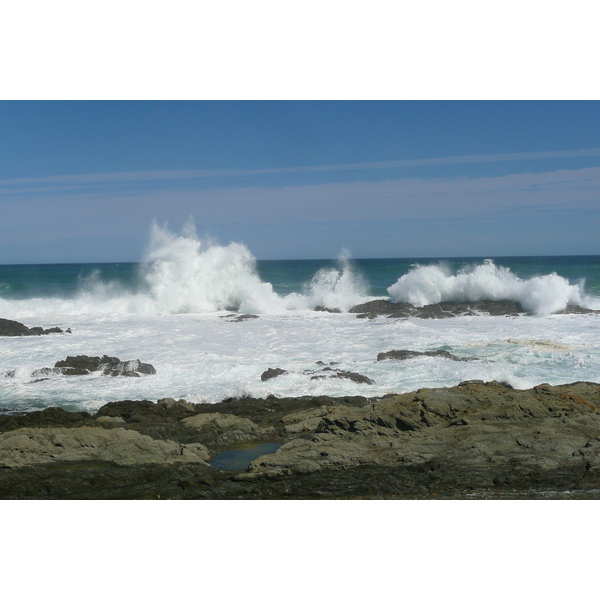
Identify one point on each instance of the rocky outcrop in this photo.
(482, 440)
(107, 365)
(15, 329)
(325, 373)
(270, 373)
(443, 310)
(34, 446)
(340, 374)
(406, 354)
(486, 429)
(49, 417)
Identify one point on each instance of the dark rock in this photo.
(578, 310)
(236, 318)
(406, 354)
(270, 373)
(107, 365)
(144, 411)
(356, 377)
(45, 371)
(49, 417)
(14, 328)
(475, 440)
(383, 307)
(79, 365)
(435, 311)
(339, 374)
(325, 309)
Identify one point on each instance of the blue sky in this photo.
(83, 181)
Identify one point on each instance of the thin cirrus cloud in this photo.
(64, 182)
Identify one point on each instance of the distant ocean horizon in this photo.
(20, 280)
(173, 311)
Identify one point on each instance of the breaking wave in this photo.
(182, 274)
(542, 295)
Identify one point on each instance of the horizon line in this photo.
(481, 256)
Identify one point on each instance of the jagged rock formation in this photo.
(107, 365)
(15, 329)
(477, 439)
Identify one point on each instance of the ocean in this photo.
(176, 310)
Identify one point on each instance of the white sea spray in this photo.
(182, 274)
(175, 316)
(541, 295)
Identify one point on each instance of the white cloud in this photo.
(39, 184)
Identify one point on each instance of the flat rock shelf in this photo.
(474, 440)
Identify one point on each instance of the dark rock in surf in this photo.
(577, 310)
(325, 309)
(442, 310)
(270, 373)
(383, 307)
(16, 329)
(406, 354)
(356, 377)
(107, 365)
(339, 374)
(235, 318)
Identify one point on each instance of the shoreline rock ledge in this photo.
(475, 440)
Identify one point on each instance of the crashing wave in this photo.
(182, 274)
(541, 295)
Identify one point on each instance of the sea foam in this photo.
(182, 274)
(541, 295)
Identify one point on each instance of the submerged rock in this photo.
(340, 374)
(406, 354)
(15, 329)
(321, 308)
(237, 318)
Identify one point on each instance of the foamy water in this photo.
(174, 316)
(542, 295)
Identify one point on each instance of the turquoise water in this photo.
(286, 276)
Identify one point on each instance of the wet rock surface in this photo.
(237, 318)
(270, 373)
(107, 365)
(406, 354)
(16, 329)
(443, 310)
(328, 372)
(475, 440)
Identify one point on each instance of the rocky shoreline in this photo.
(474, 440)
